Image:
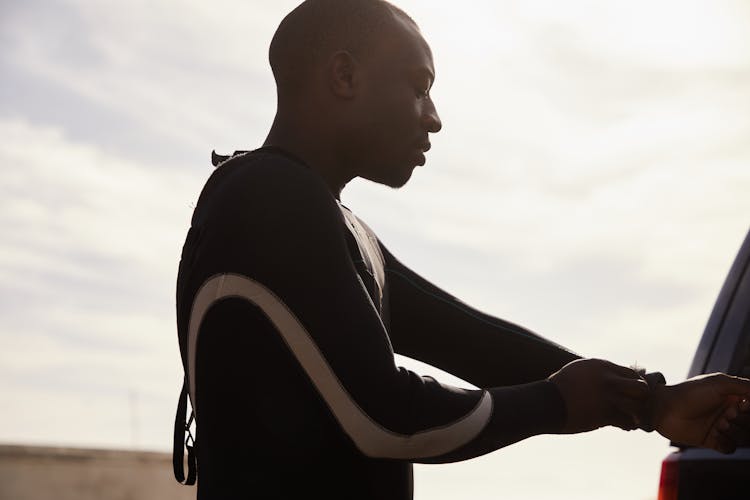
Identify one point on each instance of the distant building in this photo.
(41, 473)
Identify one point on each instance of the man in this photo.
(290, 309)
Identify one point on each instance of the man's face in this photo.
(397, 113)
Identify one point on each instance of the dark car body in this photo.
(694, 473)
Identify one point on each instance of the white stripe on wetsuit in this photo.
(370, 437)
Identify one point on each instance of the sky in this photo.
(589, 183)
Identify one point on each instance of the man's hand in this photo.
(711, 411)
(599, 393)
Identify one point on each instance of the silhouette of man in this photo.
(290, 309)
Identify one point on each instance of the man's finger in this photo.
(632, 388)
(625, 420)
(625, 410)
(729, 385)
(731, 431)
(735, 423)
(719, 442)
(622, 371)
(738, 417)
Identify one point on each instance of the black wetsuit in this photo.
(289, 313)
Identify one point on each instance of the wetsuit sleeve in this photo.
(432, 326)
(276, 240)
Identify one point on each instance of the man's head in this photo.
(360, 71)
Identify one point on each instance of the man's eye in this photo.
(423, 93)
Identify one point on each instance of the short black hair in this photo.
(316, 28)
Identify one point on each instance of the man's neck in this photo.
(313, 149)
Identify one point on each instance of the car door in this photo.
(701, 474)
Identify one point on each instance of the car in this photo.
(690, 473)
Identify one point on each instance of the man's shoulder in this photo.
(263, 181)
(261, 166)
(263, 176)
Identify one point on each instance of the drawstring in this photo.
(180, 427)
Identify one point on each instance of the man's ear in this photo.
(343, 74)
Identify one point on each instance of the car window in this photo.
(725, 345)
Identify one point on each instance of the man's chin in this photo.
(395, 178)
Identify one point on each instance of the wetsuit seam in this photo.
(325, 359)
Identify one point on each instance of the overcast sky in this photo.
(590, 182)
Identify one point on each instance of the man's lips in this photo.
(422, 148)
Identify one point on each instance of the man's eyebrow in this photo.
(425, 71)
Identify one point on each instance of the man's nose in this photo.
(430, 119)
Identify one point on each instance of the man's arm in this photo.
(430, 325)
(276, 241)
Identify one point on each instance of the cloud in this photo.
(88, 270)
(172, 76)
(580, 96)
